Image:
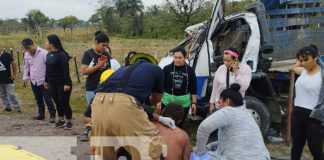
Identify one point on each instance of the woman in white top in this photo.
(236, 72)
(240, 137)
(307, 89)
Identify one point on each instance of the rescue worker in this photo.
(118, 108)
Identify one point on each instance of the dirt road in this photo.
(41, 138)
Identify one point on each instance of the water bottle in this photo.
(91, 64)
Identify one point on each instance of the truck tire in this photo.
(259, 112)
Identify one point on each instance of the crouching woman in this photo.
(239, 136)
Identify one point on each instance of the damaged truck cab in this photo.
(248, 32)
(207, 41)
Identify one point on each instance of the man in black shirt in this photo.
(7, 89)
(94, 62)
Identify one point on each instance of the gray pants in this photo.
(8, 96)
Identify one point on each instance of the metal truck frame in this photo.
(269, 91)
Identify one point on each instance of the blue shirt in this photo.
(144, 80)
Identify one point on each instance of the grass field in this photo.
(75, 45)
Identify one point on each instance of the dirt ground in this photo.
(21, 125)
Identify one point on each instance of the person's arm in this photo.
(194, 103)
(86, 70)
(66, 70)
(14, 70)
(46, 78)
(46, 74)
(157, 92)
(298, 69)
(212, 100)
(156, 98)
(26, 71)
(193, 90)
(216, 120)
(244, 77)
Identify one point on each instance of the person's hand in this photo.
(12, 77)
(66, 88)
(46, 85)
(234, 67)
(158, 108)
(193, 108)
(298, 64)
(167, 121)
(24, 83)
(102, 62)
(298, 68)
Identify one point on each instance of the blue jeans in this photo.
(8, 96)
(42, 94)
(89, 96)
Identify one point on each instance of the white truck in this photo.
(267, 96)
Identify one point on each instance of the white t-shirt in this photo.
(114, 64)
(308, 90)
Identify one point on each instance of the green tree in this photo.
(203, 14)
(63, 23)
(36, 20)
(94, 20)
(72, 21)
(10, 25)
(110, 20)
(68, 22)
(51, 23)
(237, 6)
(185, 9)
(132, 9)
(127, 17)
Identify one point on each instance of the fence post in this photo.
(11, 52)
(290, 104)
(18, 61)
(76, 68)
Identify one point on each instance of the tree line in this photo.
(129, 18)
(126, 18)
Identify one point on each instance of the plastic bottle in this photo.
(91, 64)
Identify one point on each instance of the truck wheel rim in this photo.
(255, 116)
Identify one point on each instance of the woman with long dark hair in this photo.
(180, 84)
(58, 80)
(307, 114)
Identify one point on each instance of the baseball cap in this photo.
(27, 42)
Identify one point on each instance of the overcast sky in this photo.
(57, 9)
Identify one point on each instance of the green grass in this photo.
(81, 40)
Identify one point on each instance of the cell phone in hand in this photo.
(103, 57)
(235, 63)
